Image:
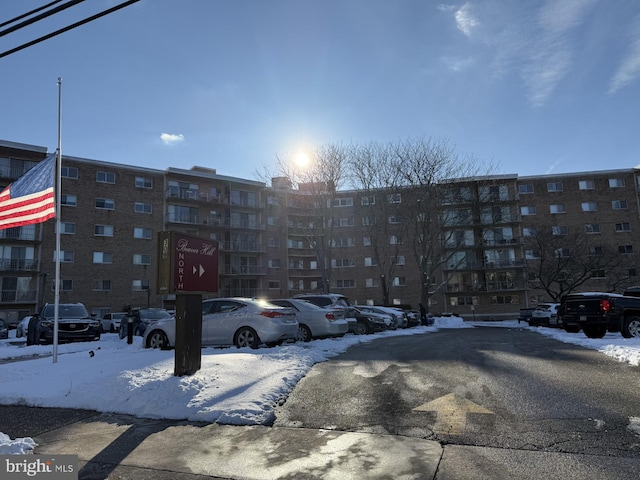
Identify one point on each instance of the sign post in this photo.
(187, 267)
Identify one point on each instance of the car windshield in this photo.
(154, 314)
(66, 311)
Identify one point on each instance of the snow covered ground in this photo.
(234, 386)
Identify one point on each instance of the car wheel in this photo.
(304, 334)
(246, 337)
(360, 328)
(595, 331)
(631, 327)
(112, 329)
(158, 339)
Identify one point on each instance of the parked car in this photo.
(367, 323)
(111, 322)
(314, 321)
(242, 322)
(4, 329)
(140, 320)
(75, 324)
(400, 319)
(335, 301)
(525, 314)
(545, 314)
(596, 313)
(22, 327)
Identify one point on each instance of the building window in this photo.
(65, 285)
(105, 203)
(343, 202)
(528, 210)
(394, 198)
(623, 227)
(589, 206)
(143, 182)
(274, 263)
(69, 200)
(273, 220)
(557, 208)
(592, 228)
(294, 243)
(103, 230)
(366, 221)
(560, 230)
(67, 228)
(625, 248)
(102, 257)
(598, 274)
(69, 172)
(399, 281)
(399, 260)
(595, 251)
(140, 207)
(531, 254)
(529, 232)
(528, 188)
(101, 285)
(368, 200)
(65, 256)
(554, 187)
(347, 222)
(395, 240)
(345, 283)
(141, 259)
(370, 262)
(274, 284)
(616, 182)
(137, 285)
(105, 177)
(586, 184)
(562, 253)
(372, 282)
(619, 205)
(394, 219)
(343, 262)
(141, 232)
(273, 242)
(504, 300)
(366, 241)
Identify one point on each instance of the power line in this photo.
(35, 10)
(67, 28)
(37, 18)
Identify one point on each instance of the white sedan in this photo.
(314, 321)
(242, 322)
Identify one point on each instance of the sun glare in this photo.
(302, 159)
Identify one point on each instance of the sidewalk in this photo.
(125, 447)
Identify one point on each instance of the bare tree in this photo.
(375, 173)
(431, 171)
(316, 185)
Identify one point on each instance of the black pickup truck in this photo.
(596, 313)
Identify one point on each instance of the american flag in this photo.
(30, 198)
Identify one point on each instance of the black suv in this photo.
(75, 324)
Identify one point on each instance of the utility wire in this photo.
(35, 10)
(67, 28)
(37, 18)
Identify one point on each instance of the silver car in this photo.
(314, 321)
(242, 322)
(399, 317)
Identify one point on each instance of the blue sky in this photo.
(537, 87)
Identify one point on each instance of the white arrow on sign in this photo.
(195, 270)
(451, 413)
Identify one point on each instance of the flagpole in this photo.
(58, 190)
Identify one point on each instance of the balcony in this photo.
(183, 219)
(243, 247)
(9, 265)
(12, 296)
(194, 195)
(244, 270)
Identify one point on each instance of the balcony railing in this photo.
(8, 265)
(244, 270)
(195, 195)
(243, 247)
(12, 296)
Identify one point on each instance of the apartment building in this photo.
(494, 234)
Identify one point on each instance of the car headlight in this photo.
(94, 323)
(46, 323)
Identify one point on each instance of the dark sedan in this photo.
(75, 324)
(366, 322)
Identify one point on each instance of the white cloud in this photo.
(629, 70)
(465, 20)
(171, 138)
(561, 16)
